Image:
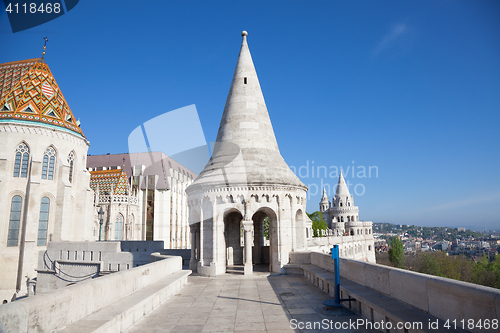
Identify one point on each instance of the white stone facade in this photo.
(354, 237)
(67, 196)
(245, 181)
(159, 189)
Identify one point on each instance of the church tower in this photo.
(245, 181)
(343, 212)
(324, 207)
(44, 191)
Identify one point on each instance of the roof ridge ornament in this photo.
(44, 47)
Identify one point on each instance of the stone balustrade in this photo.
(440, 297)
(60, 308)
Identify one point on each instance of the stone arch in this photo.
(300, 226)
(232, 237)
(194, 224)
(263, 254)
(208, 230)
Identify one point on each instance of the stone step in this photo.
(127, 311)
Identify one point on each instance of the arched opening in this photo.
(194, 226)
(233, 238)
(208, 232)
(265, 244)
(300, 225)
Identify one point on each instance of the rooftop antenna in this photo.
(44, 47)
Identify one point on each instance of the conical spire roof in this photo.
(246, 151)
(30, 93)
(324, 198)
(342, 189)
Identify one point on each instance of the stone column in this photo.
(248, 227)
(193, 244)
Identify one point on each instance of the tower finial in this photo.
(44, 46)
(244, 33)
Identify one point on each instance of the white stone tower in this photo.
(245, 181)
(343, 212)
(324, 207)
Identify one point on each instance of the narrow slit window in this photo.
(21, 161)
(245, 80)
(15, 220)
(43, 222)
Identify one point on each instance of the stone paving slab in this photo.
(237, 303)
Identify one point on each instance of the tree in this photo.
(317, 223)
(266, 227)
(397, 253)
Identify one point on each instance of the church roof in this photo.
(29, 92)
(342, 189)
(246, 151)
(109, 182)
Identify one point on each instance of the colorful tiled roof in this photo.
(29, 92)
(109, 181)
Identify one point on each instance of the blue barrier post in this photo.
(335, 303)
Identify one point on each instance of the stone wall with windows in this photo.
(44, 184)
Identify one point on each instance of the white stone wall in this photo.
(285, 207)
(70, 212)
(358, 247)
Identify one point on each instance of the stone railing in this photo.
(57, 309)
(117, 199)
(440, 297)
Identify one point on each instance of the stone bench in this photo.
(124, 313)
(370, 304)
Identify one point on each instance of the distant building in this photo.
(355, 237)
(119, 207)
(155, 191)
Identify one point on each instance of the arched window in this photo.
(71, 159)
(49, 159)
(342, 219)
(21, 161)
(43, 222)
(118, 227)
(15, 220)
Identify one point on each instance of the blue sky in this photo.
(410, 88)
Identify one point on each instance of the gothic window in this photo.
(118, 227)
(348, 204)
(49, 159)
(21, 161)
(71, 160)
(15, 220)
(342, 219)
(43, 222)
(341, 204)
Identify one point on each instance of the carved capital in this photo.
(247, 225)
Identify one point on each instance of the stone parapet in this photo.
(60, 308)
(442, 298)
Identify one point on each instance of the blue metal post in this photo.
(335, 303)
(335, 257)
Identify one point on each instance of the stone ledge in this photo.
(124, 313)
(371, 304)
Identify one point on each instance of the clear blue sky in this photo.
(409, 87)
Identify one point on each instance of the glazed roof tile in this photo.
(109, 182)
(29, 92)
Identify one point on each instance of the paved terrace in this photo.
(236, 303)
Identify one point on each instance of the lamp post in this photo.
(101, 214)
